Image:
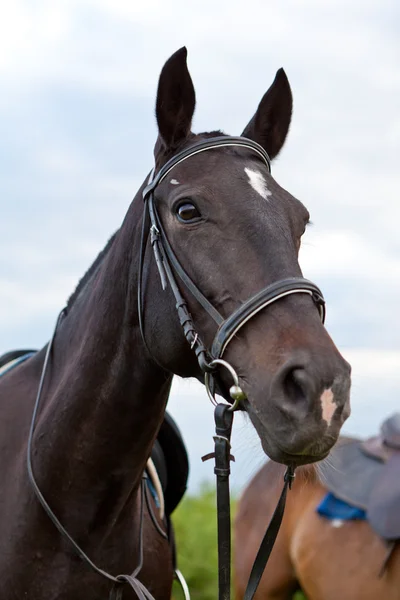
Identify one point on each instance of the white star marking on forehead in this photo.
(174, 182)
(258, 183)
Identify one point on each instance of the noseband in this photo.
(168, 266)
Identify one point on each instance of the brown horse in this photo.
(327, 559)
(232, 231)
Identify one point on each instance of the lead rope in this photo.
(223, 416)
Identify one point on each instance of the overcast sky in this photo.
(78, 81)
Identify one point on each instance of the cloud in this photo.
(341, 250)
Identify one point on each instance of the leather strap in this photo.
(268, 541)
(165, 257)
(223, 427)
(270, 294)
(172, 259)
(168, 266)
(197, 148)
(118, 581)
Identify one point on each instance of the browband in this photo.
(209, 144)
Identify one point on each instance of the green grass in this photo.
(196, 530)
(196, 538)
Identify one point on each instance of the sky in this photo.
(77, 129)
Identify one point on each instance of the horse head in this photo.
(235, 232)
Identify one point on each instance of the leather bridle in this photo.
(169, 266)
(209, 359)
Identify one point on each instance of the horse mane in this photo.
(210, 134)
(83, 281)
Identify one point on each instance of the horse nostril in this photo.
(296, 385)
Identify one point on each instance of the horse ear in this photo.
(270, 124)
(175, 101)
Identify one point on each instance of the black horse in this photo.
(234, 231)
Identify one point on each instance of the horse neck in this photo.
(104, 398)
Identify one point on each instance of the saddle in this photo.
(170, 458)
(385, 445)
(11, 359)
(169, 454)
(366, 474)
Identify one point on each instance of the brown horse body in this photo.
(328, 560)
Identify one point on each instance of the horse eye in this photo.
(187, 212)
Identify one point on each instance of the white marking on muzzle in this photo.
(328, 405)
(258, 183)
(174, 182)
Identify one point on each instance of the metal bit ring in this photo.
(235, 391)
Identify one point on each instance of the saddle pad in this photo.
(333, 508)
(349, 474)
(365, 483)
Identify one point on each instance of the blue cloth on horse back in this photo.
(333, 508)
